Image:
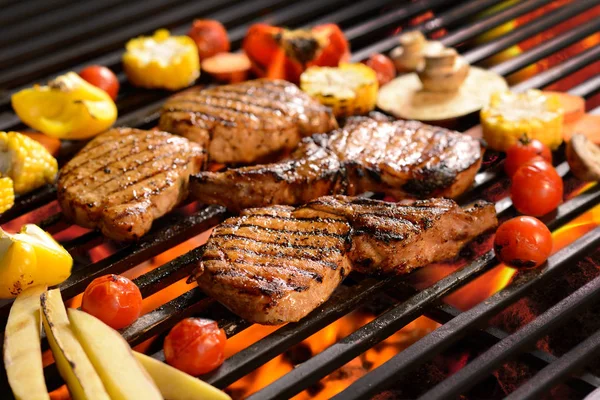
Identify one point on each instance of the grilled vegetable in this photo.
(510, 115)
(523, 242)
(30, 258)
(161, 61)
(227, 67)
(573, 106)
(26, 162)
(67, 108)
(584, 158)
(523, 151)
(279, 53)
(102, 78)
(536, 188)
(23, 348)
(588, 125)
(408, 57)
(210, 37)
(383, 67)
(443, 71)
(349, 89)
(7, 194)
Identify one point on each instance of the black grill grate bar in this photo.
(351, 12)
(525, 31)
(552, 75)
(447, 334)
(29, 202)
(26, 9)
(483, 365)
(547, 48)
(587, 88)
(559, 369)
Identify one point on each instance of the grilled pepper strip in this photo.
(509, 116)
(30, 258)
(67, 108)
(162, 61)
(350, 89)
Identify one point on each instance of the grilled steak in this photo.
(246, 122)
(401, 158)
(276, 264)
(125, 178)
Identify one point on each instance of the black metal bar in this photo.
(587, 88)
(23, 10)
(560, 369)
(484, 364)
(29, 202)
(525, 31)
(447, 334)
(355, 10)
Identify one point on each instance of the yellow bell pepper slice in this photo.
(67, 108)
(162, 61)
(30, 258)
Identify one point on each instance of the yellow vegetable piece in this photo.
(349, 89)
(26, 162)
(67, 108)
(162, 61)
(510, 115)
(7, 194)
(30, 258)
(23, 349)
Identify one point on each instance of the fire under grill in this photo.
(43, 38)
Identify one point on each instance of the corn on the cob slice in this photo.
(26, 162)
(7, 194)
(509, 116)
(349, 89)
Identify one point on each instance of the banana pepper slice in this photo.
(31, 258)
(162, 61)
(67, 108)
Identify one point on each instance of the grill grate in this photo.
(370, 26)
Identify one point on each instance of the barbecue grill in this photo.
(41, 39)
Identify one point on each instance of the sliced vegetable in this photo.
(31, 258)
(383, 67)
(102, 78)
(113, 299)
(7, 194)
(524, 151)
(349, 89)
(195, 346)
(573, 107)
(584, 158)
(536, 188)
(210, 37)
(408, 57)
(23, 347)
(68, 108)
(523, 242)
(26, 162)
(443, 71)
(161, 61)
(227, 67)
(588, 125)
(510, 115)
(279, 53)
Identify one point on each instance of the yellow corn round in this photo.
(7, 194)
(510, 115)
(350, 89)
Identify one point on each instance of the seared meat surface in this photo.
(405, 159)
(276, 264)
(124, 179)
(246, 122)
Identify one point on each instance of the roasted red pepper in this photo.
(279, 53)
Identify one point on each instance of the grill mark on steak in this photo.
(286, 231)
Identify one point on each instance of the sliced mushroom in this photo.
(443, 71)
(584, 158)
(408, 57)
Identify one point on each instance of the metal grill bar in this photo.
(587, 88)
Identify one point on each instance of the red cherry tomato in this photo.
(113, 299)
(210, 37)
(383, 67)
(103, 78)
(525, 150)
(523, 242)
(195, 346)
(536, 188)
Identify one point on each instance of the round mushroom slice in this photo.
(584, 158)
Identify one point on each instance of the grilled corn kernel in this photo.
(26, 162)
(7, 194)
(509, 116)
(162, 61)
(349, 89)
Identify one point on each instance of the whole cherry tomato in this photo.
(536, 188)
(210, 37)
(113, 299)
(523, 242)
(383, 67)
(525, 150)
(195, 346)
(103, 78)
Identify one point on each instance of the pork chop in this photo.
(124, 179)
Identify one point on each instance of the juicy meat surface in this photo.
(276, 264)
(405, 159)
(246, 122)
(124, 179)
